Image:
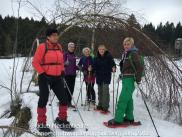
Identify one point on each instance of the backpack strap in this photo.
(46, 49)
(132, 64)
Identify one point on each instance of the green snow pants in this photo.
(125, 103)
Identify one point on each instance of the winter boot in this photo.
(104, 111)
(112, 122)
(61, 120)
(64, 125)
(43, 128)
(128, 121)
(98, 108)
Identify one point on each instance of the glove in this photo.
(66, 63)
(85, 73)
(90, 68)
(120, 77)
(79, 68)
(138, 82)
(42, 76)
(114, 69)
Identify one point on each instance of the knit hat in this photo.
(50, 31)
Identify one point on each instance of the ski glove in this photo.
(42, 76)
(138, 82)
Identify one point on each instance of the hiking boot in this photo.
(98, 108)
(63, 124)
(127, 120)
(112, 122)
(43, 128)
(104, 111)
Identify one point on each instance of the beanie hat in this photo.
(50, 31)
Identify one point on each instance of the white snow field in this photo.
(93, 120)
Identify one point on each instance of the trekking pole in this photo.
(52, 112)
(117, 94)
(113, 92)
(86, 129)
(81, 89)
(88, 91)
(50, 104)
(79, 95)
(86, 97)
(143, 97)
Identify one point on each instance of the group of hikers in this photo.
(55, 67)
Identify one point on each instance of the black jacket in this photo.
(103, 67)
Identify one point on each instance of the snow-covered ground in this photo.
(93, 120)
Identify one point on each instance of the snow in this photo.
(93, 120)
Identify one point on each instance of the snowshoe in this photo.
(44, 130)
(113, 124)
(105, 111)
(64, 125)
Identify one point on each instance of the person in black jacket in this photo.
(104, 65)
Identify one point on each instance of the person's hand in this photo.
(79, 68)
(114, 69)
(138, 82)
(90, 68)
(42, 75)
(85, 73)
(66, 63)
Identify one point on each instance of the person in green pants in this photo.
(130, 73)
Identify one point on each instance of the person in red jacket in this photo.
(49, 63)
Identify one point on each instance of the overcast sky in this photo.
(154, 11)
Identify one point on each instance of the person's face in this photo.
(101, 50)
(71, 48)
(53, 38)
(127, 45)
(87, 53)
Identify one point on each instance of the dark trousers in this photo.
(70, 80)
(90, 91)
(56, 84)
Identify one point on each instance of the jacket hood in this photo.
(132, 49)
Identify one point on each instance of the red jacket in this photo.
(52, 63)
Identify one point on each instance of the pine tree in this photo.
(133, 21)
